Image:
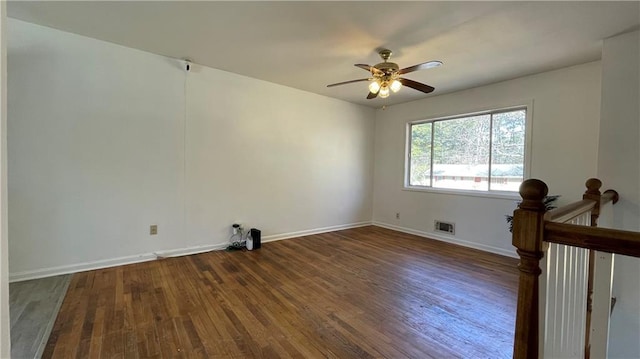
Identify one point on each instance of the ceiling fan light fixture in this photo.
(384, 92)
(396, 86)
(374, 87)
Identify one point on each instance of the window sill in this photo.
(512, 196)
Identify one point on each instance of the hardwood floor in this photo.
(33, 307)
(360, 293)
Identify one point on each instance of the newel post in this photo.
(593, 193)
(528, 230)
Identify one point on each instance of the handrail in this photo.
(533, 226)
(566, 213)
(570, 211)
(608, 196)
(600, 239)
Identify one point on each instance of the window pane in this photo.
(461, 153)
(420, 155)
(507, 153)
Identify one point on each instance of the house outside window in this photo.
(480, 152)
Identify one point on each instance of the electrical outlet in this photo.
(153, 229)
(397, 215)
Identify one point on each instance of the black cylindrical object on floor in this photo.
(255, 235)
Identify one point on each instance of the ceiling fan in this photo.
(386, 76)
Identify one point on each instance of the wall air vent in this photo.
(447, 227)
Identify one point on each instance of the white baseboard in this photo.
(145, 257)
(277, 237)
(450, 239)
(78, 267)
(191, 250)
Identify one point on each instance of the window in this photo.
(478, 152)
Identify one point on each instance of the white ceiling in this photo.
(307, 45)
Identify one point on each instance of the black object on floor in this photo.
(257, 241)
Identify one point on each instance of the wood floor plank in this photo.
(359, 293)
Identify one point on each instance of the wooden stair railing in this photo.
(528, 231)
(534, 228)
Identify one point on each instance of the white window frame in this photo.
(528, 107)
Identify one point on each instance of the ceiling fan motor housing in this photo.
(387, 67)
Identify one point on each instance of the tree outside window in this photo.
(480, 152)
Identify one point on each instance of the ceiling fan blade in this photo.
(369, 68)
(422, 66)
(363, 66)
(372, 95)
(347, 82)
(416, 85)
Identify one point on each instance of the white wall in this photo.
(272, 157)
(95, 150)
(100, 148)
(566, 112)
(5, 339)
(619, 168)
